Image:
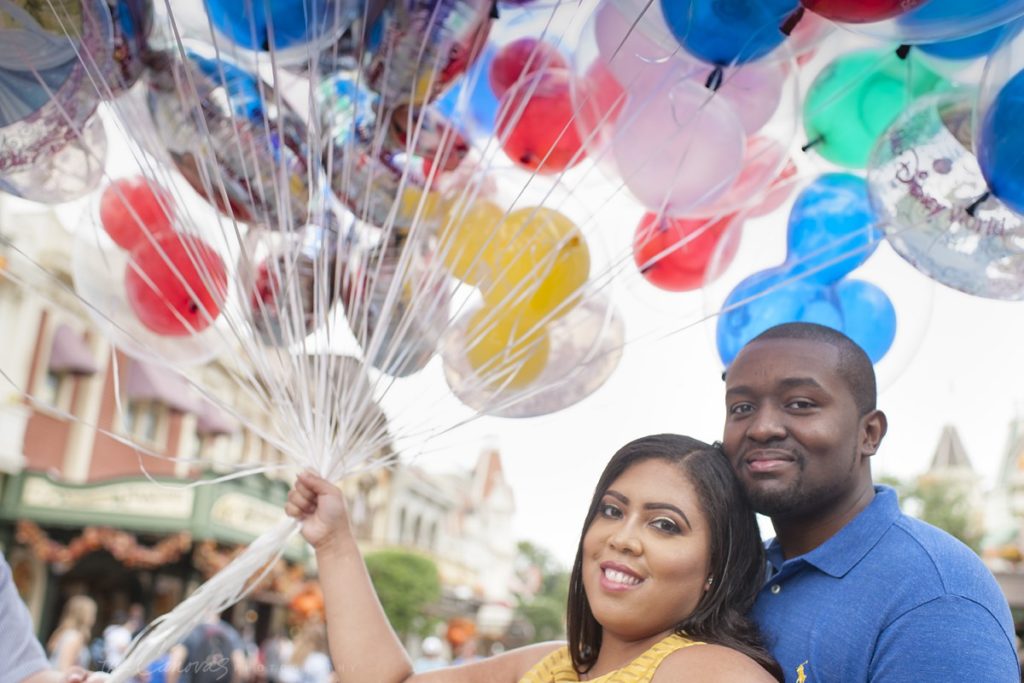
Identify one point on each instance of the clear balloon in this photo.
(420, 47)
(246, 156)
(583, 350)
(855, 98)
(135, 208)
(67, 174)
(680, 149)
(132, 23)
(295, 30)
(1000, 144)
(933, 204)
(536, 123)
(938, 20)
(381, 164)
(46, 90)
(396, 300)
(757, 288)
(728, 32)
(860, 11)
(831, 228)
(100, 269)
(673, 253)
(289, 281)
(869, 317)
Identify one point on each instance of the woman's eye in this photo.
(666, 525)
(610, 511)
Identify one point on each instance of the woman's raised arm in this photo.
(362, 643)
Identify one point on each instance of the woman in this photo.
(68, 646)
(669, 562)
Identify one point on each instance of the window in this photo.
(142, 421)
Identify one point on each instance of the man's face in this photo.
(793, 432)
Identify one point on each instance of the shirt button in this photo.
(776, 589)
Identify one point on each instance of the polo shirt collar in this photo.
(843, 551)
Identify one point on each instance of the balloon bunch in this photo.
(341, 202)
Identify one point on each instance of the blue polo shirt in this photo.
(887, 599)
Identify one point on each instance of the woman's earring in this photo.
(711, 580)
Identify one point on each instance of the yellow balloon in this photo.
(506, 348)
(543, 266)
(422, 205)
(468, 244)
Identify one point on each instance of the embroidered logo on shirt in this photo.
(801, 677)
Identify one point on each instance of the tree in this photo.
(942, 503)
(407, 584)
(545, 609)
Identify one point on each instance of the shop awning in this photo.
(149, 382)
(70, 353)
(212, 420)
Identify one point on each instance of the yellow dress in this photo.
(557, 666)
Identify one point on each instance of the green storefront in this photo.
(141, 541)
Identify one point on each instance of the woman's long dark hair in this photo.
(737, 559)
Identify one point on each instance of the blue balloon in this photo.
(831, 228)
(479, 107)
(768, 298)
(971, 47)
(726, 32)
(944, 20)
(279, 24)
(1001, 144)
(869, 318)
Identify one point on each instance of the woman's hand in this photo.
(320, 506)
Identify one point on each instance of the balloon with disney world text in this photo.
(934, 206)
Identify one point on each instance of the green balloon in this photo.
(855, 99)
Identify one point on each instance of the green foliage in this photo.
(941, 503)
(545, 611)
(407, 584)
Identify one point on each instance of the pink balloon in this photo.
(754, 90)
(680, 149)
(763, 160)
(636, 61)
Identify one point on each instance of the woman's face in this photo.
(646, 554)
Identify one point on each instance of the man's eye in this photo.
(740, 409)
(801, 404)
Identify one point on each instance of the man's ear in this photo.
(873, 428)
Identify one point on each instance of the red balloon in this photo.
(536, 123)
(860, 11)
(521, 58)
(176, 284)
(673, 253)
(132, 208)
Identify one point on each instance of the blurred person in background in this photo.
(68, 646)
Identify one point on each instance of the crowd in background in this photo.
(215, 651)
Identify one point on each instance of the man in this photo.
(856, 590)
(22, 659)
(212, 652)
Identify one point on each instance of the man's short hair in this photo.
(855, 367)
